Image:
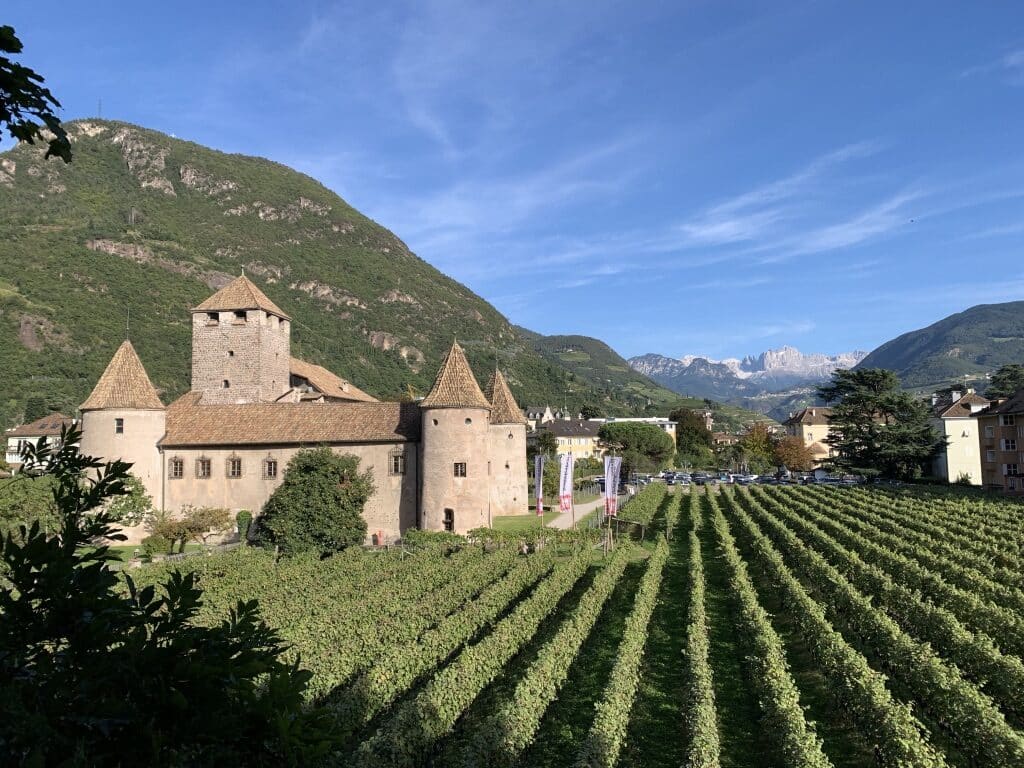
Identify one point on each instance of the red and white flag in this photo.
(565, 483)
(538, 481)
(612, 467)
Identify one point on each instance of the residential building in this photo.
(955, 415)
(1001, 442)
(577, 436)
(812, 426)
(47, 428)
(724, 438)
(450, 462)
(537, 415)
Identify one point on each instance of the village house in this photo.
(812, 426)
(452, 461)
(576, 436)
(955, 415)
(1001, 443)
(47, 429)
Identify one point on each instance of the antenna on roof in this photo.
(243, 270)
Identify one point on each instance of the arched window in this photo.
(226, 384)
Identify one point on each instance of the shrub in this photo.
(319, 505)
(243, 520)
(154, 544)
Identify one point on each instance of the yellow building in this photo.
(956, 417)
(577, 436)
(812, 426)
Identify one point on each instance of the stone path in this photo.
(564, 520)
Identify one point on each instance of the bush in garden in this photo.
(243, 520)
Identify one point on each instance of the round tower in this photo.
(455, 465)
(507, 450)
(124, 419)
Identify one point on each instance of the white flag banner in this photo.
(538, 481)
(612, 467)
(565, 483)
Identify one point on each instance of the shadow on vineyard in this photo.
(743, 740)
(654, 731)
(569, 717)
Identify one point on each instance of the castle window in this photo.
(511, 436)
(469, 420)
(449, 520)
(212, 318)
(118, 426)
(176, 469)
(231, 353)
(396, 463)
(234, 467)
(203, 468)
(460, 469)
(226, 384)
(269, 469)
(239, 316)
(435, 422)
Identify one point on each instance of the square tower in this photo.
(241, 346)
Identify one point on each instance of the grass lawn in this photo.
(521, 522)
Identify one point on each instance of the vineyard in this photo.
(760, 626)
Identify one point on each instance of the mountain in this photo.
(143, 226)
(970, 343)
(595, 365)
(737, 380)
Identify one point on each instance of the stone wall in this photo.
(507, 452)
(390, 510)
(450, 436)
(137, 444)
(251, 355)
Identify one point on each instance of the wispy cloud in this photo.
(1010, 66)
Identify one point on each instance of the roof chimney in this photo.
(935, 398)
(955, 394)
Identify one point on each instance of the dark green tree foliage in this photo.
(319, 505)
(1006, 381)
(691, 433)
(879, 429)
(25, 500)
(95, 672)
(24, 101)
(644, 447)
(36, 408)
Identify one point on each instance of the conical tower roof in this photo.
(124, 384)
(240, 293)
(455, 386)
(504, 409)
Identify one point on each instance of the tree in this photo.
(644, 447)
(692, 434)
(36, 408)
(319, 505)
(876, 428)
(794, 453)
(24, 101)
(133, 506)
(25, 500)
(758, 446)
(1006, 381)
(590, 412)
(90, 664)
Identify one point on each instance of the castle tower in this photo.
(124, 419)
(506, 436)
(241, 346)
(454, 494)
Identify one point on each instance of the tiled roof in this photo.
(48, 425)
(1013, 404)
(455, 386)
(240, 293)
(504, 409)
(814, 415)
(192, 424)
(124, 384)
(573, 428)
(329, 383)
(946, 408)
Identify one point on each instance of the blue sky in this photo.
(680, 177)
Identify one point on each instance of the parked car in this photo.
(700, 478)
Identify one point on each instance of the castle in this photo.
(450, 462)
